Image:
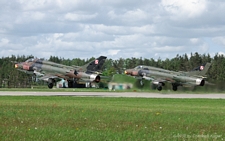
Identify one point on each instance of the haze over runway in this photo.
(113, 94)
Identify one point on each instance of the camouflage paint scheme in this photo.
(160, 76)
(52, 72)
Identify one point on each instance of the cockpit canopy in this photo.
(141, 67)
(30, 60)
(36, 60)
(138, 67)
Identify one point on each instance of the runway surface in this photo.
(113, 94)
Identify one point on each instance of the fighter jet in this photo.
(159, 76)
(53, 72)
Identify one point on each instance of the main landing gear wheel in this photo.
(70, 83)
(159, 88)
(50, 83)
(175, 88)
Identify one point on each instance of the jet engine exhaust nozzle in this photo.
(200, 82)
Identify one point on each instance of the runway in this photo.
(113, 94)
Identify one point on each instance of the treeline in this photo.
(10, 77)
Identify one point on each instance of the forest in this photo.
(12, 78)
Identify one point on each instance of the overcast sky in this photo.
(115, 28)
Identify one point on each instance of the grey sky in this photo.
(115, 28)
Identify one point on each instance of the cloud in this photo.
(132, 17)
(221, 53)
(79, 16)
(184, 8)
(4, 42)
(110, 52)
(144, 28)
(220, 40)
(169, 49)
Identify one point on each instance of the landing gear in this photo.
(89, 85)
(141, 82)
(175, 86)
(51, 83)
(34, 78)
(73, 84)
(70, 84)
(159, 87)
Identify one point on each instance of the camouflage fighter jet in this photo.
(53, 72)
(159, 76)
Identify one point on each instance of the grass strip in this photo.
(96, 118)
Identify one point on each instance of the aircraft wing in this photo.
(156, 76)
(47, 76)
(158, 80)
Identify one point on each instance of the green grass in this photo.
(96, 118)
(55, 89)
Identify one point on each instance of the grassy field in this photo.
(96, 118)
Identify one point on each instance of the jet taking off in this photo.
(160, 76)
(53, 72)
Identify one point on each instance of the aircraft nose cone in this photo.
(131, 72)
(23, 66)
(127, 72)
(18, 65)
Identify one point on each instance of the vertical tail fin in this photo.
(95, 65)
(200, 70)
